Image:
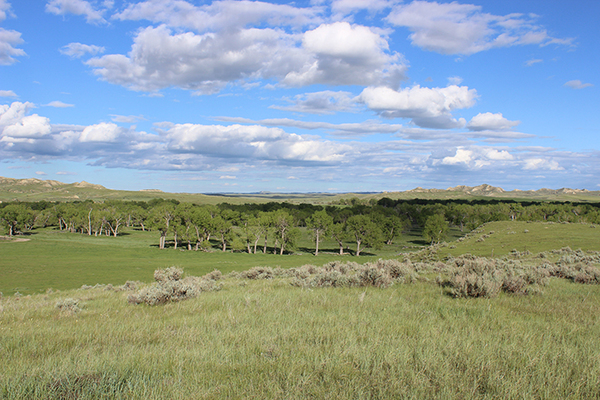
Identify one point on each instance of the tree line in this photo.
(274, 226)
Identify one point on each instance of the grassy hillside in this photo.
(49, 190)
(61, 260)
(266, 339)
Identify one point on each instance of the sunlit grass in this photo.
(266, 339)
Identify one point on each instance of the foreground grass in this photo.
(266, 339)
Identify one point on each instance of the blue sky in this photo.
(327, 96)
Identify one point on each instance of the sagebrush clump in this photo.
(69, 305)
(170, 287)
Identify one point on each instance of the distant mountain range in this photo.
(33, 189)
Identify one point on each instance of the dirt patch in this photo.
(13, 239)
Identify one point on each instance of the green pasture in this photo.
(61, 260)
(269, 340)
(497, 239)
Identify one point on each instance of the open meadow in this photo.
(432, 324)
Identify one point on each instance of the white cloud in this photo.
(225, 15)
(345, 129)
(455, 80)
(102, 132)
(533, 61)
(32, 126)
(539, 163)
(12, 114)
(78, 50)
(255, 142)
(344, 54)
(42, 173)
(428, 107)
(336, 54)
(453, 28)
(325, 102)
(8, 40)
(7, 93)
(127, 119)
(462, 156)
(227, 177)
(577, 84)
(59, 104)
(76, 7)
(4, 9)
(345, 7)
(489, 121)
(494, 154)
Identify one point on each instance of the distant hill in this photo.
(33, 189)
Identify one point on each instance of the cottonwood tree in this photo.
(364, 231)
(319, 223)
(338, 233)
(285, 230)
(160, 219)
(435, 229)
(16, 218)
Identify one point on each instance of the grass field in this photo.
(266, 339)
(60, 260)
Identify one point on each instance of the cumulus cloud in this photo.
(245, 152)
(428, 107)
(11, 114)
(345, 7)
(220, 15)
(345, 129)
(8, 38)
(577, 84)
(489, 121)
(78, 50)
(32, 126)
(325, 102)
(542, 164)
(335, 54)
(7, 93)
(344, 54)
(103, 132)
(76, 7)
(453, 28)
(255, 142)
(462, 156)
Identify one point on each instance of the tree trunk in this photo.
(358, 248)
(265, 246)
(317, 243)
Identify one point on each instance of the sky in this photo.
(307, 96)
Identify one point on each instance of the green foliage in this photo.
(436, 229)
(364, 231)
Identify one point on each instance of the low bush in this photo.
(170, 287)
(69, 305)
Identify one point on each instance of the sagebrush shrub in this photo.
(69, 305)
(170, 287)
